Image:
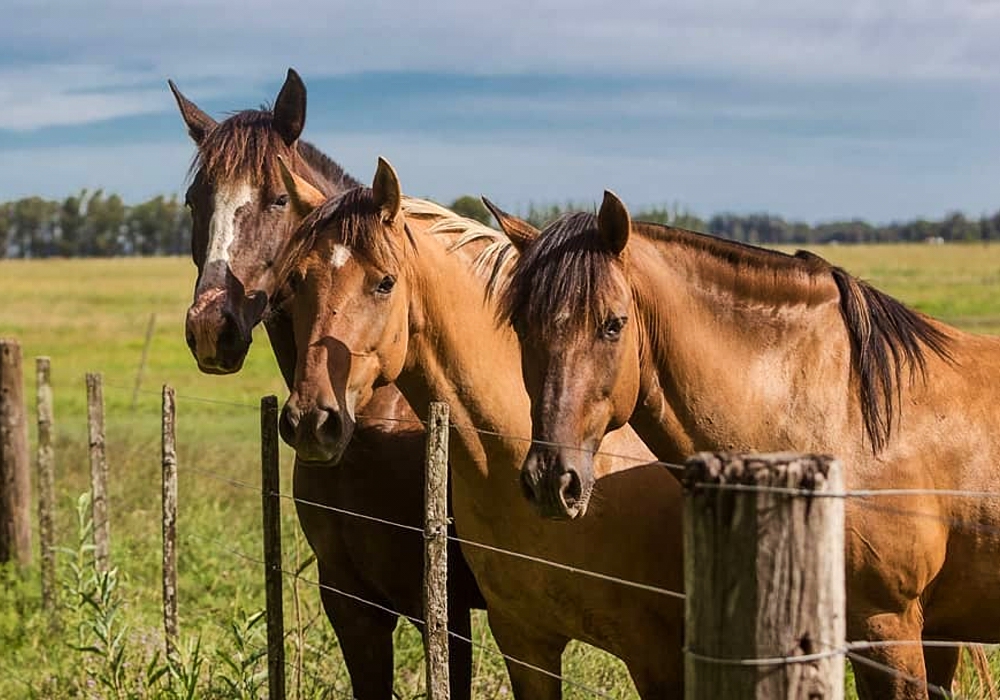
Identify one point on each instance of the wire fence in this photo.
(867, 498)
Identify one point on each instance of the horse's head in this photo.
(240, 219)
(569, 303)
(347, 254)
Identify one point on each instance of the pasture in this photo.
(91, 315)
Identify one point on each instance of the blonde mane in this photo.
(492, 262)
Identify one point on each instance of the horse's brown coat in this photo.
(729, 347)
(431, 332)
(381, 472)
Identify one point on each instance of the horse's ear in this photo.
(302, 196)
(613, 222)
(290, 108)
(520, 232)
(198, 123)
(385, 188)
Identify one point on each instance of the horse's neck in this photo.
(458, 354)
(724, 356)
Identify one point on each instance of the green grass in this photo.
(92, 316)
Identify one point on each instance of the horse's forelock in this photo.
(567, 274)
(240, 147)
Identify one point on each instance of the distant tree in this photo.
(472, 208)
(71, 225)
(5, 224)
(32, 223)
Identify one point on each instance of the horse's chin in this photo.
(321, 459)
(222, 365)
(217, 370)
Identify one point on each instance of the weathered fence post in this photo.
(270, 493)
(436, 552)
(46, 481)
(169, 463)
(764, 575)
(98, 469)
(15, 478)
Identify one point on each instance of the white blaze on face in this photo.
(341, 254)
(222, 227)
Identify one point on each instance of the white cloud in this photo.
(254, 39)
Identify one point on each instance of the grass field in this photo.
(92, 316)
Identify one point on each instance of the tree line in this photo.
(96, 224)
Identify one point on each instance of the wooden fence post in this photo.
(15, 477)
(98, 470)
(436, 553)
(169, 463)
(46, 481)
(270, 494)
(764, 576)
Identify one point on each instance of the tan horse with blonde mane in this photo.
(706, 344)
(392, 289)
(242, 219)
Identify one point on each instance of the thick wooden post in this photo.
(764, 576)
(15, 477)
(169, 463)
(436, 553)
(270, 493)
(46, 481)
(98, 470)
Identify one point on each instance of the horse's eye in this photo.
(611, 329)
(386, 285)
(281, 200)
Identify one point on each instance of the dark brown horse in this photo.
(707, 344)
(388, 288)
(242, 220)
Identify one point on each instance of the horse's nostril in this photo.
(328, 425)
(570, 487)
(526, 487)
(228, 335)
(288, 424)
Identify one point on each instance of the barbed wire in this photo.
(415, 620)
(850, 650)
(454, 538)
(672, 466)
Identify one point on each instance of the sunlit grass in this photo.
(92, 316)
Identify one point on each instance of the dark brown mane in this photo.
(566, 273)
(327, 168)
(243, 144)
(885, 337)
(569, 273)
(355, 220)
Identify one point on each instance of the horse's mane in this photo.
(357, 219)
(327, 168)
(246, 141)
(569, 273)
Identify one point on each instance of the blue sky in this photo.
(813, 110)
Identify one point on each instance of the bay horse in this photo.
(241, 221)
(391, 289)
(701, 343)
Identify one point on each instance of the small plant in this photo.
(243, 676)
